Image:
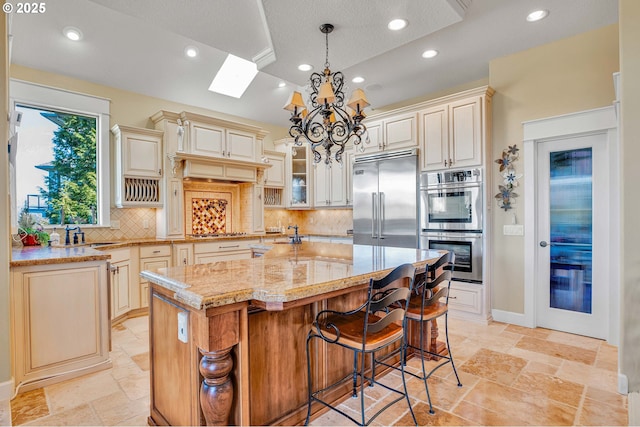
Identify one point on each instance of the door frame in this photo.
(600, 120)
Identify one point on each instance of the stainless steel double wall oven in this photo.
(451, 218)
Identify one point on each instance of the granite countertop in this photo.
(91, 251)
(285, 273)
(38, 255)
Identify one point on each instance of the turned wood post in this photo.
(216, 391)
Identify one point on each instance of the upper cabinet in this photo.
(211, 137)
(391, 133)
(274, 176)
(454, 132)
(330, 189)
(298, 176)
(138, 166)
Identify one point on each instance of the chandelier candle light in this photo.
(330, 122)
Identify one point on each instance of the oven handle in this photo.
(456, 185)
(453, 234)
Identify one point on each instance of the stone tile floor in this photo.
(511, 376)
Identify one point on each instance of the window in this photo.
(60, 159)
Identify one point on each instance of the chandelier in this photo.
(330, 122)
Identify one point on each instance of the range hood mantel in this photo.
(199, 166)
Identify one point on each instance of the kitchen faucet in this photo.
(67, 240)
(295, 239)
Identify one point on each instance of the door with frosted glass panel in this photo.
(572, 293)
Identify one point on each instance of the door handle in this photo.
(381, 203)
(374, 218)
(545, 244)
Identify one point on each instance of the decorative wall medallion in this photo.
(506, 195)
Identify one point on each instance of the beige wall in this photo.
(566, 76)
(133, 109)
(629, 13)
(5, 333)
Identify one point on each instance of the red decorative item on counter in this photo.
(29, 240)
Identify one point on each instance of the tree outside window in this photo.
(68, 190)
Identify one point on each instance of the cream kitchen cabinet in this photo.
(170, 218)
(182, 254)
(330, 184)
(223, 250)
(454, 134)
(298, 179)
(257, 213)
(469, 301)
(152, 258)
(125, 294)
(220, 139)
(274, 176)
(391, 133)
(60, 322)
(138, 166)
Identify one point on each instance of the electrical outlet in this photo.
(115, 224)
(145, 223)
(513, 230)
(183, 326)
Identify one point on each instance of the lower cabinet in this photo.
(152, 258)
(182, 254)
(123, 275)
(467, 301)
(225, 250)
(60, 322)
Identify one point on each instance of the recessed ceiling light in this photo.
(234, 77)
(357, 79)
(397, 24)
(537, 15)
(72, 33)
(305, 67)
(282, 84)
(191, 51)
(429, 53)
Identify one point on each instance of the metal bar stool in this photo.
(426, 306)
(377, 324)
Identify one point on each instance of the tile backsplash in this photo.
(132, 221)
(321, 221)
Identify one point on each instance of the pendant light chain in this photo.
(326, 43)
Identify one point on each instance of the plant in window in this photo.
(30, 231)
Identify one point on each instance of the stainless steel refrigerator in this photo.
(385, 199)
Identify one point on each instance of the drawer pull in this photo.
(156, 252)
(450, 297)
(228, 247)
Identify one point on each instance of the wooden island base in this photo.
(244, 363)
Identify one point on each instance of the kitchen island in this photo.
(227, 339)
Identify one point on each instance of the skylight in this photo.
(234, 77)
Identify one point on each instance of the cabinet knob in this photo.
(445, 163)
(159, 171)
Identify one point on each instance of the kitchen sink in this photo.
(97, 244)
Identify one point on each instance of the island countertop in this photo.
(284, 274)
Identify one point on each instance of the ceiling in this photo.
(138, 45)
